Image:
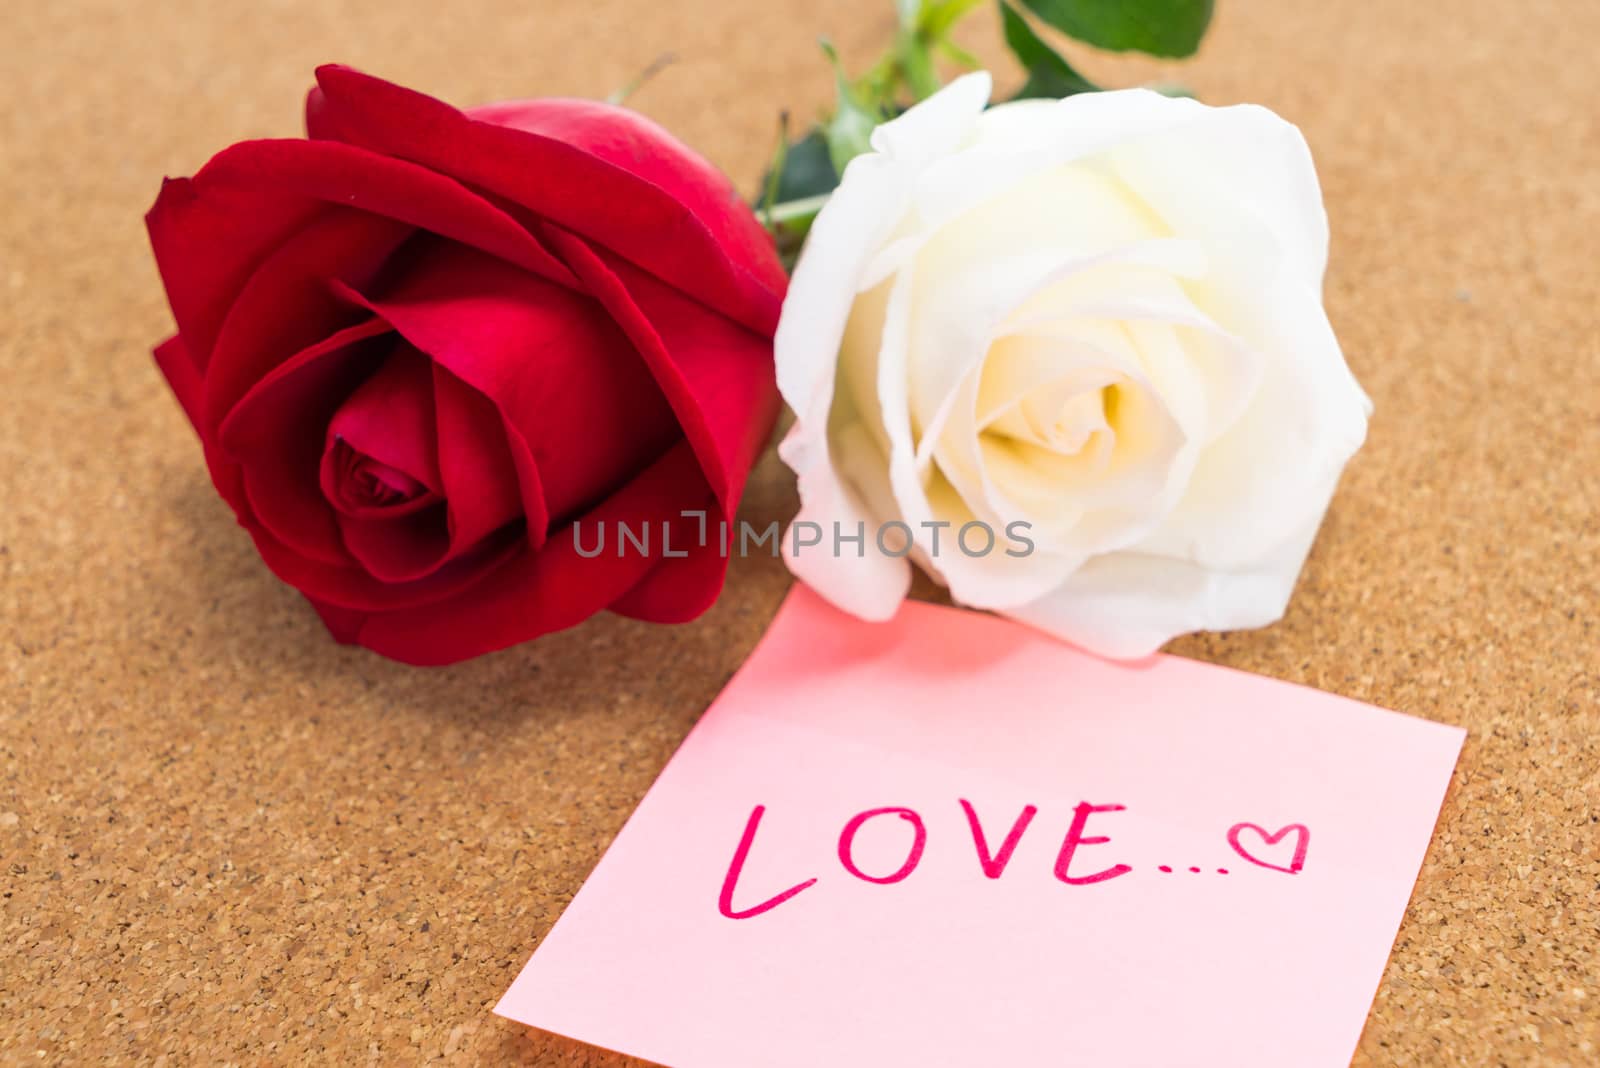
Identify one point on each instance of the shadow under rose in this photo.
(213, 593)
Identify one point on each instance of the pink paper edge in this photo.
(1416, 875)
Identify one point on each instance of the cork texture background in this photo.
(225, 839)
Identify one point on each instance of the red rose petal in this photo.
(400, 548)
(172, 357)
(363, 488)
(555, 588)
(415, 422)
(348, 176)
(587, 360)
(207, 246)
(286, 307)
(210, 232)
(567, 382)
(718, 376)
(627, 184)
(389, 418)
(678, 590)
(352, 587)
(632, 142)
(343, 623)
(183, 376)
(275, 435)
(481, 477)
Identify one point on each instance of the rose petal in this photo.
(925, 497)
(271, 174)
(1018, 291)
(479, 465)
(286, 306)
(1078, 506)
(535, 593)
(679, 589)
(1127, 605)
(857, 220)
(569, 387)
(716, 375)
(364, 488)
(179, 369)
(936, 126)
(623, 182)
(851, 228)
(172, 357)
(343, 623)
(351, 587)
(276, 431)
(390, 417)
(210, 232)
(207, 245)
(842, 452)
(1249, 184)
(1010, 145)
(633, 143)
(396, 419)
(398, 549)
(847, 493)
(1260, 481)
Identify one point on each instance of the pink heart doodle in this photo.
(1302, 840)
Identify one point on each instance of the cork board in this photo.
(227, 840)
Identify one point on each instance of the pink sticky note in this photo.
(949, 840)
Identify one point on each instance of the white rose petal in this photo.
(1096, 320)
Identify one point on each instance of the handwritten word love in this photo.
(993, 862)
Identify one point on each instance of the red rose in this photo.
(421, 344)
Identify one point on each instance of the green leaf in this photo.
(1049, 76)
(796, 187)
(916, 64)
(849, 131)
(1160, 27)
(807, 170)
(960, 56)
(939, 16)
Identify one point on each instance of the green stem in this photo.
(657, 65)
(769, 195)
(915, 63)
(792, 210)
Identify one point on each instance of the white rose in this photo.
(1100, 317)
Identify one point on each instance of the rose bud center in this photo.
(379, 458)
(361, 484)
